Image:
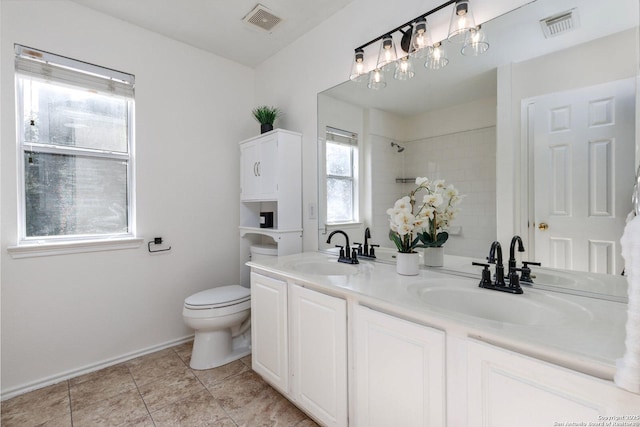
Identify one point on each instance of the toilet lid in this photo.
(219, 297)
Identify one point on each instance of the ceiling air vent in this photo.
(560, 23)
(262, 18)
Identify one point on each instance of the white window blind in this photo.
(53, 68)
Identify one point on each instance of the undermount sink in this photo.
(527, 309)
(329, 267)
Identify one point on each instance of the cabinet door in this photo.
(507, 389)
(269, 344)
(249, 178)
(399, 369)
(319, 354)
(268, 167)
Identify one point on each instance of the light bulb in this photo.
(461, 22)
(387, 53)
(357, 70)
(404, 69)
(437, 58)
(376, 79)
(475, 42)
(421, 39)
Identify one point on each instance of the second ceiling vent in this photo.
(262, 18)
(560, 23)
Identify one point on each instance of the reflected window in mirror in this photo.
(341, 166)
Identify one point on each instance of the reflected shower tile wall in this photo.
(387, 165)
(468, 161)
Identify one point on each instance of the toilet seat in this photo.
(222, 296)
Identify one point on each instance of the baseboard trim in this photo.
(54, 379)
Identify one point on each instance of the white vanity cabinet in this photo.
(346, 352)
(399, 370)
(299, 346)
(506, 389)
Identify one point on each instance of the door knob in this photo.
(543, 226)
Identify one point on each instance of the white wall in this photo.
(65, 313)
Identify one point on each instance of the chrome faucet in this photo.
(346, 255)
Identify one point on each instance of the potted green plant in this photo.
(266, 116)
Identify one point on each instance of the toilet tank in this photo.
(263, 251)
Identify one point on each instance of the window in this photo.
(341, 153)
(75, 131)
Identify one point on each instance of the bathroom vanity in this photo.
(360, 345)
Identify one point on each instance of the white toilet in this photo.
(221, 319)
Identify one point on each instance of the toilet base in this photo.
(217, 348)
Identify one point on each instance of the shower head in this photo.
(398, 146)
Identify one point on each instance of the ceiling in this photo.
(217, 26)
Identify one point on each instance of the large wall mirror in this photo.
(554, 116)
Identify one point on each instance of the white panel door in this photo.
(319, 354)
(399, 370)
(269, 343)
(583, 175)
(507, 389)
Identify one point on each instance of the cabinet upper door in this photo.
(259, 169)
(249, 178)
(268, 168)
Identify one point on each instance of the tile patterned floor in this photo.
(158, 389)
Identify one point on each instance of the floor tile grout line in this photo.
(214, 398)
(141, 397)
(70, 406)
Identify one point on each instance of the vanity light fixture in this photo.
(461, 22)
(358, 72)
(417, 43)
(475, 42)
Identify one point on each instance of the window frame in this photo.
(345, 138)
(92, 74)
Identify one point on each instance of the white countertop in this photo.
(590, 343)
